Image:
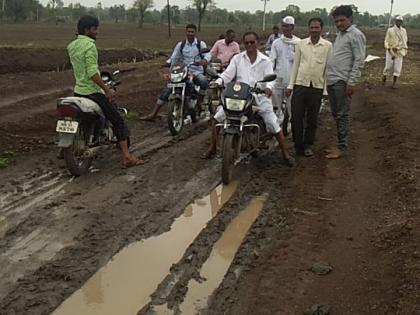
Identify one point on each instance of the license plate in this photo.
(175, 85)
(67, 126)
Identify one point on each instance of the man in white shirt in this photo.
(396, 48)
(249, 67)
(308, 82)
(272, 38)
(282, 56)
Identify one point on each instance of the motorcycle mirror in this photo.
(211, 72)
(269, 78)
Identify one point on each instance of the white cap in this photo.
(399, 18)
(289, 20)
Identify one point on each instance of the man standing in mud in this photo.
(343, 73)
(84, 60)
(307, 81)
(282, 56)
(249, 67)
(396, 48)
(187, 50)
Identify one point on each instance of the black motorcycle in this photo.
(243, 129)
(83, 129)
(183, 100)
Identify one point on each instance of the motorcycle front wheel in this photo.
(175, 117)
(74, 155)
(228, 157)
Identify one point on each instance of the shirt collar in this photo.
(350, 28)
(86, 38)
(260, 57)
(320, 42)
(193, 43)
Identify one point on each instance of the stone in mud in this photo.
(318, 309)
(321, 268)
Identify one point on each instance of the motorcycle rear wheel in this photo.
(175, 119)
(76, 162)
(228, 157)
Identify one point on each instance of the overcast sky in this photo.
(373, 6)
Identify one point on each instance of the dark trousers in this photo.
(340, 108)
(306, 102)
(111, 113)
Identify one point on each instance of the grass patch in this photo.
(132, 115)
(4, 162)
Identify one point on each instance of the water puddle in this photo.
(216, 266)
(125, 284)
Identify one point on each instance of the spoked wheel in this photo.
(74, 155)
(228, 157)
(175, 119)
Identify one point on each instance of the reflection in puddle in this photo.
(125, 284)
(216, 266)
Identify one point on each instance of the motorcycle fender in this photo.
(175, 96)
(65, 139)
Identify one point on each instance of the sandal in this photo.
(133, 162)
(334, 154)
(290, 161)
(209, 154)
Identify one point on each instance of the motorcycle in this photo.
(243, 129)
(182, 101)
(83, 129)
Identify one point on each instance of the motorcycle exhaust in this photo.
(91, 152)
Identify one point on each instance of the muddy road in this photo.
(167, 238)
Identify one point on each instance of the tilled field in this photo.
(359, 215)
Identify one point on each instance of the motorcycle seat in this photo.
(85, 105)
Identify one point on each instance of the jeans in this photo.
(198, 79)
(340, 108)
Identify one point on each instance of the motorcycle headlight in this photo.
(235, 104)
(176, 77)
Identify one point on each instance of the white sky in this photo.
(373, 6)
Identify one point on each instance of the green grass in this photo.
(4, 162)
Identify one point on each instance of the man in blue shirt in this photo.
(186, 50)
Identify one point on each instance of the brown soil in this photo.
(360, 214)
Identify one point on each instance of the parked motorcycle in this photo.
(243, 129)
(83, 129)
(182, 101)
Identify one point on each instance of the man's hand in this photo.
(288, 92)
(268, 92)
(350, 90)
(110, 94)
(203, 62)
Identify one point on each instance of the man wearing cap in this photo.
(282, 56)
(396, 49)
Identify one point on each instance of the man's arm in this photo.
(230, 72)
(92, 70)
(359, 55)
(214, 50)
(176, 54)
(273, 53)
(296, 63)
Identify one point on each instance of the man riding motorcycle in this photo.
(188, 50)
(84, 60)
(249, 67)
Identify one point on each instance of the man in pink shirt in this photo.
(224, 49)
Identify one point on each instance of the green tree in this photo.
(201, 6)
(141, 6)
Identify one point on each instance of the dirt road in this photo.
(173, 254)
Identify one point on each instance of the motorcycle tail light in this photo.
(67, 111)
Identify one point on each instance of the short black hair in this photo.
(191, 26)
(230, 31)
(316, 19)
(251, 33)
(86, 22)
(275, 27)
(343, 10)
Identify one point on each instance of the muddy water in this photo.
(125, 284)
(223, 252)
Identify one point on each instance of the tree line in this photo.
(199, 11)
